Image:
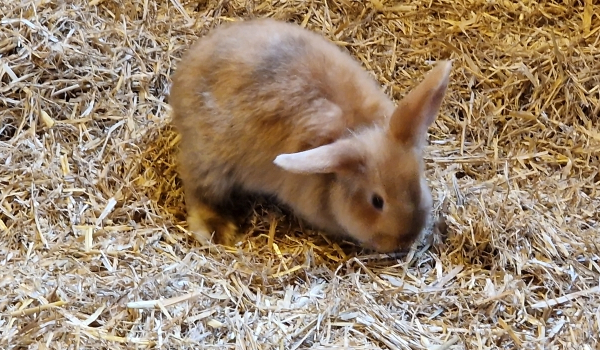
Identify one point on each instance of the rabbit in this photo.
(268, 107)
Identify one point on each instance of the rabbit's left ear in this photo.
(339, 156)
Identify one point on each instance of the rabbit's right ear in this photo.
(341, 155)
(419, 108)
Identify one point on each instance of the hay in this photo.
(94, 251)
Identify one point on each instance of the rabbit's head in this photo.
(378, 192)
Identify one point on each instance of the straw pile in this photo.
(95, 255)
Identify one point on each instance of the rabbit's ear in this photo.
(339, 156)
(419, 108)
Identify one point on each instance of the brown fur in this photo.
(251, 96)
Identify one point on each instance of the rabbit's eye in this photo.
(377, 201)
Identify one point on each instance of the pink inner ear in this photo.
(335, 157)
(419, 108)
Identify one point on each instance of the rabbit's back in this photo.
(249, 91)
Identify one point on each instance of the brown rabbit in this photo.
(267, 107)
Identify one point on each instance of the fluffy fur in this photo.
(270, 108)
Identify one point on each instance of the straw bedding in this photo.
(95, 253)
